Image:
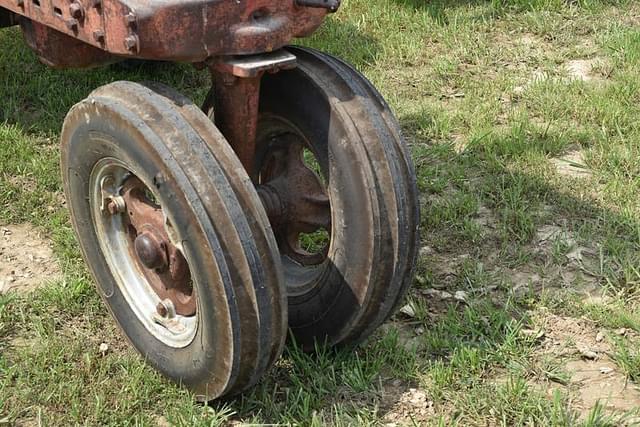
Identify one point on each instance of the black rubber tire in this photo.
(169, 143)
(372, 189)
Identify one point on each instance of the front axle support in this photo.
(236, 90)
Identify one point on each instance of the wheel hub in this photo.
(144, 252)
(160, 260)
(294, 197)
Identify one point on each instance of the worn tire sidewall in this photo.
(344, 286)
(192, 365)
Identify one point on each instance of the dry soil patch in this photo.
(585, 70)
(572, 164)
(26, 259)
(405, 406)
(601, 381)
(594, 377)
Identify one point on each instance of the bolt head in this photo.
(98, 36)
(112, 207)
(76, 10)
(162, 309)
(150, 252)
(72, 24)
(166, 309)
(115, 204)
(131, 42)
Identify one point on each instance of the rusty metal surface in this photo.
(236, 97)
(331, 5)
(176, 30)
(161, 262)
(253, 65)
(236, 114)
(271, 151)
(58, 50)
(294, 196)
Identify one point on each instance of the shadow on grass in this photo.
(461, 343)
(439, 10)
(38, 98)
(485, 169)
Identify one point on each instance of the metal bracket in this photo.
(249, 66)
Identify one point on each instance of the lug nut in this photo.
(162, 309)
(166, 309)
(116, 205)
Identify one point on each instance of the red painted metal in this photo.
(236, 114)
(60, 51)
(237, 95)
(170, 30)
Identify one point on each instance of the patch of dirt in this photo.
(549, 233)
(161, 421)
(593, 375)
(28, 422)
(537, 76)
(26, 259)
(572, 164)
(486, 218)
(408, 332)
(21, 342)
(459, 143)
(571, 336)
(594, 381)
(405, 406)
(577, 272)
(531, 40)
(587, 70)
(26, 183)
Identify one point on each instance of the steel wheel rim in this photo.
(110, 175)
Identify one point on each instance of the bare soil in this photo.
(26, 259)
(593, 375)
(587, 70)
(572, 164)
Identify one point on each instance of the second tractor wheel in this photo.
(339, 187)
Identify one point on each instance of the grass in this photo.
(486, 99)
